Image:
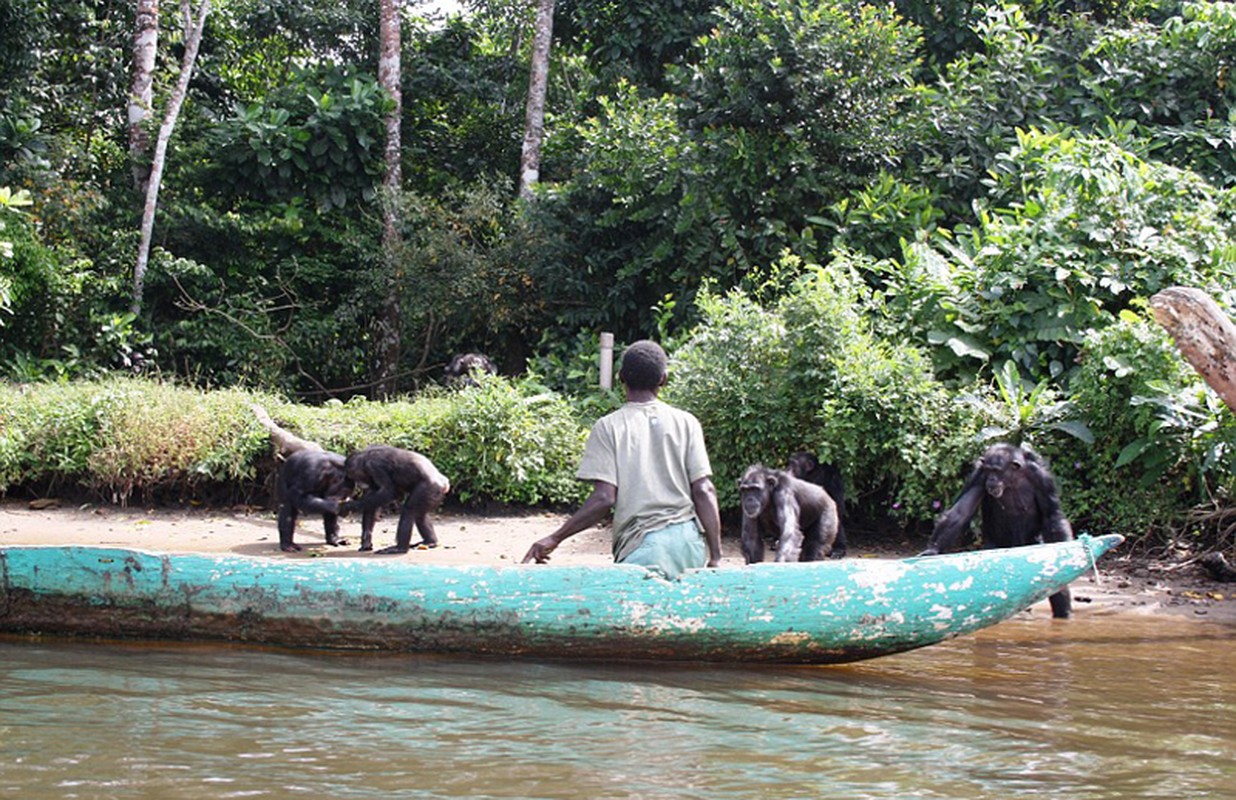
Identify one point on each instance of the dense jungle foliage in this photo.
(887, 233)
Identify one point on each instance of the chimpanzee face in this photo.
(753, 499)
(1001, 466)
(755, 488)
(802, 464)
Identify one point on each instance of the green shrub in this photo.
(48, 432)
(1079, 230)
(121, 439)
(1163, 442)
(811, 373)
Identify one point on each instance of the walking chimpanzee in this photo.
(312, 481)
(800, 515)
(1020, 505)
(390, 473)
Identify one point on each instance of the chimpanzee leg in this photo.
(287, 527)
(425, 498)
(331, 523)
(813, 543)
(839, 544)
(752, 541)
(1061, 604)
(368, 518)
(790, 545)
(403, 534)
(424, 526)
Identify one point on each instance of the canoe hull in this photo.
(824, 612)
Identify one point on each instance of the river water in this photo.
(1101, 706)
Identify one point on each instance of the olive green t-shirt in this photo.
(652, 452)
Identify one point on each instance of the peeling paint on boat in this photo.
(822, 612)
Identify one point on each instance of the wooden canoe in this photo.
(823, 612)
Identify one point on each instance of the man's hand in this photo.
(540, 550)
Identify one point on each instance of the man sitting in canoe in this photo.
(647, 462)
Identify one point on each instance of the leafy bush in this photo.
(122, 439)
(1172, 79)
(319, 138)
(1020, 77)
(48, 432)
(1163, 441)
(810, 372)
(1081, 230)
(155, 439)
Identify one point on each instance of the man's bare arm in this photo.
(704, 496)
(593, 511)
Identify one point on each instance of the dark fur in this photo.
(389, 474)
(799, 515)
(312, 481)
(807, 467)
(459, 372)
(1020, 505)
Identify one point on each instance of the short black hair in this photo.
(644, 365)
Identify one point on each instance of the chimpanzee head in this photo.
(1002, 465)
(802, 464)
(461, 369)
(756, 488)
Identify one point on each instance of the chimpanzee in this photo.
(389, 473)
(801, 515)
(1020, 504)
(807, 467)
(459, 371)
(312, 481)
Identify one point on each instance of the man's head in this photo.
(644, 366)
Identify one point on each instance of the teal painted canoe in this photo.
(823, 612)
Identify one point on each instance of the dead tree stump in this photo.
(1204, 335)
(286, 443)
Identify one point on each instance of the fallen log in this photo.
(1203, 334)
(286, 443)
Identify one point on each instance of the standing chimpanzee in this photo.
(312, 481)
(801, 515)
(807, 467)
(389, 473)
(1020, 505)
(459, 371)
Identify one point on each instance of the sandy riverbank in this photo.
(1124, 585)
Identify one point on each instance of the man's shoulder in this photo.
(675, 411)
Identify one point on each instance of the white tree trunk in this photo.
(390, 326)
(1203, 333)
(534, 124)
(194, 28)
(141, 93)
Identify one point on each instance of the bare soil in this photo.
(1125, 584)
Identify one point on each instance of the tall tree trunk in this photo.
(1203, 333)
(141, 91)
(534, 123)
(194, 27)
(390, 326)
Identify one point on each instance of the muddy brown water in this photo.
(1101, 706)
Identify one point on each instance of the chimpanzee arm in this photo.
(381, 491)
(790, 545)
(954, 522)
(752, 540)
(1056, 527)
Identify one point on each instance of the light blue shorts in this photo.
(671, 551)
